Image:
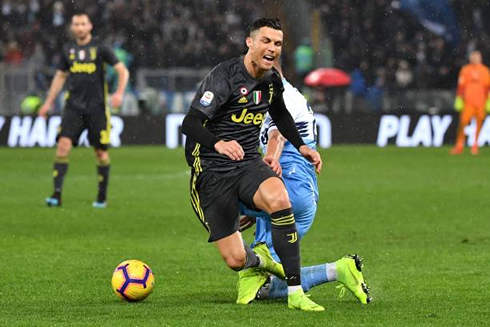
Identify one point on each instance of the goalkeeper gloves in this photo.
(459, 104)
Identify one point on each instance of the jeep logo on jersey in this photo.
(88, 68)
(257, 95)
(207, 98)
(248, 117)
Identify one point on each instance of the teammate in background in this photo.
(222, 128)
(300, 180)
(471, 99)
(82, 65)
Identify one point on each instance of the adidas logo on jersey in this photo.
(243, 100)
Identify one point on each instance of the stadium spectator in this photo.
(303, 59)
(13, 55)
(376, 91)
(404, 75)
(358, 86)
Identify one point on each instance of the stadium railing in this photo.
(163, 91)
(16, 82)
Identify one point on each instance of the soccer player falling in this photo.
(301, 183)
(471, 100)
(222, 128)
(82, 64)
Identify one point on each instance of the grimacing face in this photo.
(265, 45)
(80, 26)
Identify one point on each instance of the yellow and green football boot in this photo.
(249, 282)
(349, 274)
(300, 301)
(270, 265)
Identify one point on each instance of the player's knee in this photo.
(236, 261)
(279, 201)
(102, 156)
(64, 147)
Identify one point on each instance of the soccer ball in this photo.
(133, 280)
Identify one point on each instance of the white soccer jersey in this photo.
(301, 112)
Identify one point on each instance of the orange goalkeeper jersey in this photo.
(474, 84)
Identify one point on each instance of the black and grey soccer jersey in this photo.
(86, 65)
(235, 104)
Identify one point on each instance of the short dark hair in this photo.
(80, 12)
(274, 23)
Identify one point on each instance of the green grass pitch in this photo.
(419, 217)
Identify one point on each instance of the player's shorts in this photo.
(301, 184)
(471, 111)
(98, 126)
(215, 196)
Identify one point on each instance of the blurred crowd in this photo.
(150, 33)
(379, 45)
(383, 46)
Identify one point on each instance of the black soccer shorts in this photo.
(215, 196)
(98, 126)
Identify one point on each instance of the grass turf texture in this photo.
(419, 217)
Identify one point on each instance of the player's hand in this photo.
(312, 156)
(43, 111)
(231, 149)
(246, 222)
(274, 164)
(459, 104)
(116, 100)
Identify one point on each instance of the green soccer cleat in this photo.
(249, 282)
(349, 274)
(270, 265)
(299, 300)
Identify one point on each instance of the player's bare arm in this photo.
(312, 156)
(274, 150)
(285, 124)
(122, 82)
(275, 146)
(56, 87)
